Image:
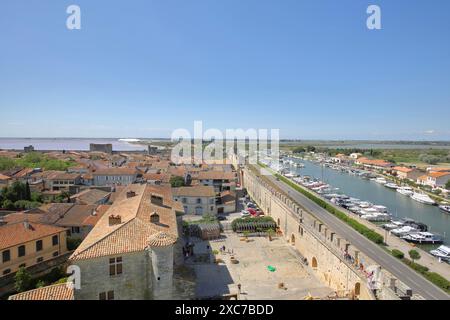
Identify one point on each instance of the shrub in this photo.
(23, 281)
(72, 243)
(438, 280)
(397, 253)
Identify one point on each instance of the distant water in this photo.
(67, 144)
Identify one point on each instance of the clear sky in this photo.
(142, 68)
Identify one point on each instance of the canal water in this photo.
(399, 206)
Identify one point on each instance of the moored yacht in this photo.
(442, 252)
(407, 191)
(445, 208)
(423, 238)
(403, 231)
(422, 198)
(380, 180)
(391, 185)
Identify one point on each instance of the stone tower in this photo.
(160, 250)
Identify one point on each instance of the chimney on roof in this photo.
(131, 194)
(115, 220)
(26, 224)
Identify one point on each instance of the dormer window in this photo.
(157, 200)
(154, 218)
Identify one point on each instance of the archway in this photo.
(314, 263)
(292, 239)
(357, 289)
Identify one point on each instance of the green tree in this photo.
(40, 284)
(414, 255)
(8, 205)
(298, 150)
(63, 197)
(27, 192)
(23, 280)
(177, 181)
(447, 185)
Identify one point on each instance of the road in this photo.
(412, 279)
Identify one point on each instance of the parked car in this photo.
(221, 218)
(251, 205)
(253, 212)
(245, 213)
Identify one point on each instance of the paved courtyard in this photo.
(251, 270)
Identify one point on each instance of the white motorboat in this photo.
(442, 252)
(391, 185)
(403, 231)
(407, 191)
(365, 204)
(379, 217)
(422, 198)
(380, 180)
(393, 225)
(381, 209)
(445, 208)
(422, 238)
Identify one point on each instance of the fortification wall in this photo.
(334, 260)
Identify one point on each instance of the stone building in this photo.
(130, 252)
(97, 147)
(26, 244)
(198, 200)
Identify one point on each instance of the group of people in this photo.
(223, 250)
(188, 250)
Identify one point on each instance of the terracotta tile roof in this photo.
(194, 191)
(55, 211)
(3, 177)
(20, 217)
(23, 173)
(16, 233)
(65, 176)
(76, 215)
(156, 176)
(422, 178)
(54, 292)
(115, 172)
(99, 212)
(403, 169)
(216, 175)
(439, 174)
(374, 162)
(437, 169)
(161, 239)
(90, 196)
(135, 229)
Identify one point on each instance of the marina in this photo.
(403, 210)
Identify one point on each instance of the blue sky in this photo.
(142, 68)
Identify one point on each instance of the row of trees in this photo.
(34, 160)
(18, 196)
